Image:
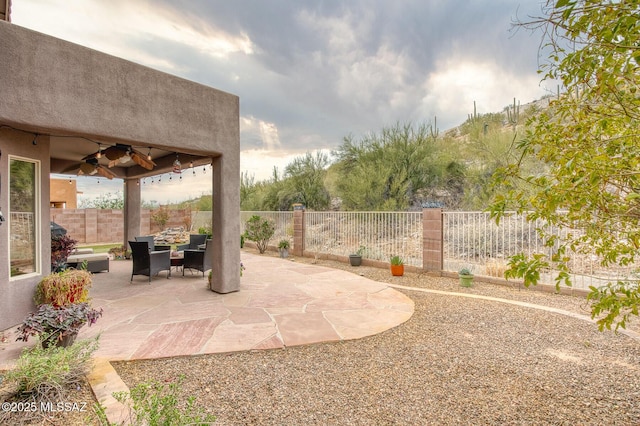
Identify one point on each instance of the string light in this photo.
(204, 170)
(191, 164)
(99, 153)
(69, 181)
(137, 182)
(149, 154)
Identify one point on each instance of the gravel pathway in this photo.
(456, 361)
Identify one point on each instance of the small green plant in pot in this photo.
(355, 259)
(397, 266)
(57, 325)
(466, 277)
(283, 248)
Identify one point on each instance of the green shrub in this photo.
(49, 373)
(156, 404)
(260, 230)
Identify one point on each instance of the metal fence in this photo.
(380, 235)
(283, 222)
(473, 239)
(470, 239)
(23, 244)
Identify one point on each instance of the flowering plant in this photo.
(53, 323)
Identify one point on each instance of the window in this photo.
(24, 219)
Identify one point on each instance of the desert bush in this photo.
(48, 374)
(155, 404)
(260, 230)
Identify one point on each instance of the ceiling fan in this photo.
(91, 167)
(120, 153)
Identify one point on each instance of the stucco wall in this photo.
(54, 87)
(64, 191)
(53, 84)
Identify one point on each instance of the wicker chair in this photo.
(198, 259)
(147, 262)
(195, 240)
(152, 244)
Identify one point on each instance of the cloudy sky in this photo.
(309, 73)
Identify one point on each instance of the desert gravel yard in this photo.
(456, 361)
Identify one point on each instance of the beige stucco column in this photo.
(225, 277)
(131, 211)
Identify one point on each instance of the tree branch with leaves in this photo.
(589, 138)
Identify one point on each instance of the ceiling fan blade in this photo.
(87, 168)
(115, 152)
(105, 172)
(90, 156)
(142, 161)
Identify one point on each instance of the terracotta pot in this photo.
(397, 270)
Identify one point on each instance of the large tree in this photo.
(590, 139)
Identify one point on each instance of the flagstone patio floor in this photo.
(280, 303)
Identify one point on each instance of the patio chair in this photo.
(198, 259)
(195, 240)
(152, 244)
(149, 263)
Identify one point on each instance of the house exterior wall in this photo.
(17, 292)
(51, 86)
(65, 192)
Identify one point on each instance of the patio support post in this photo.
(432, 240)
(225, 277)
(132, 212)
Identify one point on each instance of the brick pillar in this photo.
(432, 240)
(298, 230)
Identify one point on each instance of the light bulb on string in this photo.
(149, 154)
(138, 182)
(99, 153)
(204, 170)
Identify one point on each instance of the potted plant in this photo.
(57, 326)
(63, 288)
(61, 247)
(466, 277)
(283, 248)
(397, 266)
(355, 259)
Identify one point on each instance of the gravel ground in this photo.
(456, 361)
